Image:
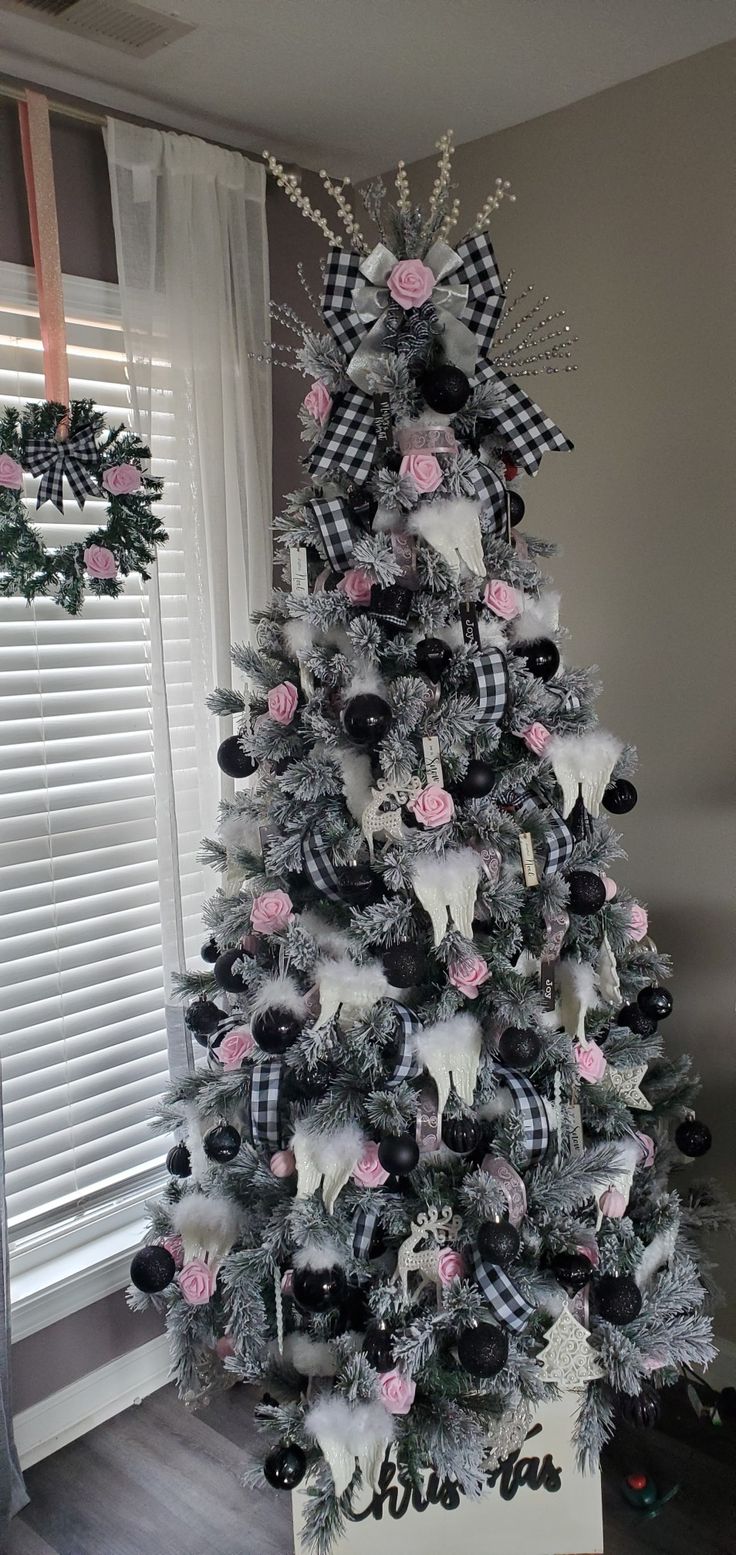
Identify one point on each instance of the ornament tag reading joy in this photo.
(528, 862)
(433, 760)
(547, 984)
(299, 569)
(469, 624)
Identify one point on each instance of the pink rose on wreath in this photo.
(423, 470)
(224, 1347)
(271, 911)
(638, 921)
(411, 283)
(537, 738)
(121, 480)
(432, 806)
(468, 974)
(11, 473)
(282, 702)
(501, 599)
(175, 1246)
(196, 1282)
(397, 1392)
(282, 1163)
(357, 585)
(100, 562)
(610, 887)
(613, 1203)
(450, 1266)
(647, 1149)
(591, 1062)
(235, 1047)
(318, 402)
(369, 1173)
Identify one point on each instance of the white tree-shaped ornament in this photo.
(567, 1357)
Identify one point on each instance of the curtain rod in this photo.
(85, 115)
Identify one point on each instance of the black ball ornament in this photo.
(655, 1002)
(483, 1350)
(233, 760)
(398, 1154)
(498, 1242)
(285, 1466)
(405, 964)
(377, 1345)
(517, 508)
(433, 657)
(632, 1015)
(587, 892)
(542, 657)
(392, 602)
(445, 389)
(693, 1138)
(640, 1410)
(367, 718)
(319, 1290)
(152, 1269)
(359, 885)
(222, 1143)
(617, 1298)
(202, 1018)
(619, 797)
(226, 979)
(363, 506)
(210, 951)
(461, 1135)
(519, 1047)
(477, 781)
(275, 1029)
(178, 1161)
(571, 1270)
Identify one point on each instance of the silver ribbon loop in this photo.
(372, 300)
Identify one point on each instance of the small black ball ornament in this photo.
(233, 760)
(152, 1269)
(226, 979)
(517, 508)
(398, 1154)
(222, 1143)
(178, 1161)
(433, 656)
(519, 1047)
(498, 1242)
(632, 1015)
(359, 885)
(655, 1002)
(587, 892)
(693, 1138)
(477, 781)
(377, 1345)
(210, 951)
(483, 1350)
(542, 657)
(620, 797)
(640, 1410)
(285, 1466)
(571, 1270)
(445, 389)
(275, 1029)
(617, 1298)
(392, 602)
(367, 718)
(202, 1018)
(405, 964)
(461, 1135)
(319, 1290)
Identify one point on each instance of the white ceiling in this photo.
(358, 83)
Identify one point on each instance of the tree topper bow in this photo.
(372, 300)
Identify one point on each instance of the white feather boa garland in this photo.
(349, 1432)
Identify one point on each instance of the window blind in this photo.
(82, 996)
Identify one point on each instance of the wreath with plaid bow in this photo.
(75, 446)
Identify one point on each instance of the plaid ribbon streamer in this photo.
(342, 274)
(531, 1108)
(569, 701)
(524, 426)
(491, 493)
(364, 1226)
(491, 674)
(406, 1066)
(319, 866)
(77, 458)
(349, 439)
(558, 838)
(338, 534)
(503, 1296)
(265, 1103)
(485, 295)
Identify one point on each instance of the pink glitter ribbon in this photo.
(38, 167)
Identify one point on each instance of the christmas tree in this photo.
(434, 1112)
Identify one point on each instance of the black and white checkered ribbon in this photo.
(406, 1065)
(342, 275)
(485, 294)
(568, 701)
(491, 493)
(492, 677)
(338, 535)
(348, 442)
(531, 1109)
(364, 1226)
(265, 1103)
(319, 866)
(558, 839)
(524, 428)
(76, 457)
(503, 1296)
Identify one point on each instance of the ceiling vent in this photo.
(116, 24)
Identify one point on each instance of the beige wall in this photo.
(623, 216)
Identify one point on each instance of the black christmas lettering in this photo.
(396, 1495)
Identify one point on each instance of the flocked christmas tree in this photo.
(421, 1173)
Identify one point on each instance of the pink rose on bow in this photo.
(613, 1203)
(318, 402)
(501, 599)
(423, 470)
(450, 1266)
(610, 887)
(357, 585)
(537, 738)
(282, 702)
(369, 1173)
(591, 1062)
(411, 283)
(432, 806)
(11, 473)
(175, 1246)
(638, 921)
(224, 1347)
(100, 562)
(647, 1149)
(397, 1392)
(282, 1163)
(468, 974)
(121, 480)
(235, 1047)
(196, 1282)
(271, 911)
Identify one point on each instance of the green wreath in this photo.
(75, 445)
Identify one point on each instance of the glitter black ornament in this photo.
(319, 1290)
(226, 979)
(432, 657)
(367, 718)
(571, 1270)
(377, 1345)
(405, 964)
(617, 1298)
(477, 781)
(392, 602)
(233, 760)
(693, 1138)
(152, 1269)
(519, 1047)
(275, 1029)
(363, 506)
(202, 1018)
(461, 1135)
(587, 892)
(542, 657)
(285, 1466)
(655, 1002)
(619, 797)
(498, 1242)
(359, 885)
(355, 1311)
(398, 1154)
(632, 1015)
(517, 508)
(210, 951)
(483, 1350)
(640, 1410)
(445, 389)
(222, 1143)
(178, 1161)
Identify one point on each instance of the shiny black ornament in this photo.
(363, 506)
(405, 964)
(517, 508)
(392, 602)
(693, 1138)
(483, 1350)
(178, 1161)
(398, 1154)
(542, 657)
(571, 1270)
(377, 1345)
(632, 1015)
(359, 885)
(478, 780)
(640, 1410)
(433, 656)
(275, 1029)
(232, 759)
(461, 1135)
(367, 718)
(655, 1002)
(210, 951)
(285, 1466)
(226, 979)
(619, 797)
(319, 1290)
(498, 1242)
(587, 892)
(152, 1269)
(519, 1047)
(222, 1143)
(445, 389)
(355, 1311)
(202, 1018)
(617, 1298)
(300, 1087)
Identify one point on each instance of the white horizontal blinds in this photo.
(82, 986)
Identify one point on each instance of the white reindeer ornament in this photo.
(436, 1227)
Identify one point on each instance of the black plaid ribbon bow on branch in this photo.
(502, 1294)
(75, 457)
(558, 839)
(349, 441)
(520, 424)
(319, 867)
(337, 532)
(490, 492)
(492, 680)
(266, 1112)
(531, 1110)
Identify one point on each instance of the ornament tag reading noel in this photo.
(433, 760)
(528, 863)
(299, 569)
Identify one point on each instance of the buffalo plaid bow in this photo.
(76, 457)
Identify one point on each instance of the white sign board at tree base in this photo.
(537, 1503)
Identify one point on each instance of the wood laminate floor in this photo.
(161, 1480)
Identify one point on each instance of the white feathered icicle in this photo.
(450, 1052)
(446, 887)
(208, 1225)
(576, 994)
(349, 989)
(582, 764)
(327, 1159)
(453, 529)
(346, 1432)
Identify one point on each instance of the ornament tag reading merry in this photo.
(433, 760)
(299, 569)
(528, 862)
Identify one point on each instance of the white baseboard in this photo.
(76, 1409)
